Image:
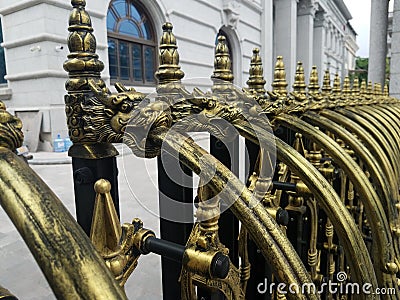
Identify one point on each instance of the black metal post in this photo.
(85, 173)
(259, 268)
(181, 192)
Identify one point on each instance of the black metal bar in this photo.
(228, 154)
(284, 186)
(259, 268)
(219, 266)
(165, 248)
(85, 173)
(178, 187)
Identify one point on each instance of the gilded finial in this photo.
(356, 87)
(377, 89)
(83, 62)
(279, 85)
(386, 90)
(369, 89)
(363, 88)
(299, 85)
(326, 86)
(256, 80)
(222, 61)
(313, 86)
(169, 69)
(336, 90)
(346, 90)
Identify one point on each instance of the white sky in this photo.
(361, 12)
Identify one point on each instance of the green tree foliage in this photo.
(361, 70)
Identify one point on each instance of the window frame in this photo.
(3, 81)
(131, 41)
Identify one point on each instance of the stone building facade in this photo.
(34, 33)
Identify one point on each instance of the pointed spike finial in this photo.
(336, 90)
(106, 230)
(313, 86)
(299, 85)
(326, 86)
(222, 61)
(256, 80)
(83, 62)
(169, 69)
(280, 84)
(298, 144)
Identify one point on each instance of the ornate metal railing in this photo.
(325, 215)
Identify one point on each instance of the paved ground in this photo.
(138, 194)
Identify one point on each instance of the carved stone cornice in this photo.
(307, 7)
(320, 19)
(231, 9)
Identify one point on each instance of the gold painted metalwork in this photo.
(61, 248)
(279, 84)
(358, 138)
(326, 86)
(169, 69)
(202, 248)
(6, 294)
(336, 90)
(119, 246)
(299, 85)
(83, 66)
(256, 80)
(11, 135)
(222, 61)
(313, 86)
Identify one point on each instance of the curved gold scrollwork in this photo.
(11, 135)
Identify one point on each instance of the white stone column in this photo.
(305, 33)
(395, 59)
(267, 42)
(319, 42)
(378, 41)
(285, 35)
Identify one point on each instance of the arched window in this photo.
(2, 59)
(131, 43)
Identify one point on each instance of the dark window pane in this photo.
(135, 14)
(149, 59)
(146, 31)
(124, 73)
(2, 59)
(128, 28)
(120, 7)
(124, 60)
(137, 62)
(110, 21)
(112, 58)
